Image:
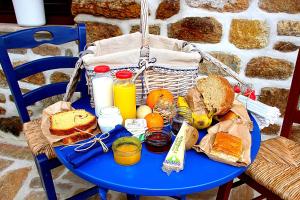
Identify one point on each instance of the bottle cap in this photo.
(124, 74)
(102, 69)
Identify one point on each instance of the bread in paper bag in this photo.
(55, 140)
(238, 127)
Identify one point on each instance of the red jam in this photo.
(158, 141)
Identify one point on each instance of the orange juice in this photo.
(125, 94)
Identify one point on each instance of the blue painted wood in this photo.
(146, 177)
(46, 91)
(25, 39)
(44, 171)
(44, 64)
(85, 194)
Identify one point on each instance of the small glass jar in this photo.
(124, 91)
(108, 118)
(158, 140)
(127, 150)
(102, 88)
(182, 115)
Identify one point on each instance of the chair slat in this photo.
(46, 91)
(25, 38)
(44, 64)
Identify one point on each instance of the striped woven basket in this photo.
(156, 61)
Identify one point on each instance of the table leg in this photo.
(102, 193)
(224, 191)
(133, 197)
(179, 197)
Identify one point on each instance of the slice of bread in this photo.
(217, 93)
(228, 147)
(69, 122)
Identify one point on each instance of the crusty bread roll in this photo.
(227, 147)
(217, 93)
(228, 116)
(69, 122)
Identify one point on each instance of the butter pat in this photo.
(137, 127)
(175, 157)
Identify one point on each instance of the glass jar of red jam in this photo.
(158, 140)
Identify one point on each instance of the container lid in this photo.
(102, 69)
(124, 74)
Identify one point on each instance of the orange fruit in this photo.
(159, 94)
(154, 120)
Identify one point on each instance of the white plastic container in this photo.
(108, 118)
(102, 88)
(30, 12)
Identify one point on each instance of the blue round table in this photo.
(146, 177)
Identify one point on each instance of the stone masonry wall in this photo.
(258, 39)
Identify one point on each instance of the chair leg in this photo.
(132, 197)
(46, 177)
(224, 191)
(102, 193)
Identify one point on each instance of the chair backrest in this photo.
(292, 113)
(26, 39)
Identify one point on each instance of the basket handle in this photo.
(144, 22)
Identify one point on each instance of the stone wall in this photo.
(258, 39)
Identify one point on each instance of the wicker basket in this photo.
(156, 61)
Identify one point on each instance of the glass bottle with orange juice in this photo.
(125, 94)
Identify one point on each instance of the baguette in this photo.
(69, 122)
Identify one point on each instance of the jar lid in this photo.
(102, 69)
(124, 74)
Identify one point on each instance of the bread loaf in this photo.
(227, 147)
(217, 93)
(69, 122)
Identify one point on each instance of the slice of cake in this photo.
(227, 147)
(217, 93)
(69, 122)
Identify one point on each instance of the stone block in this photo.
(232, 61)
(285, 46)
(17, 51)
(269, 68)
(117, 9)
(288, 28)
(273, 129)
(36, 79)
(220, 6)
(249, 34)
(153, 29)
(4, 164)
(2, 98)
(3, 82)
(11, 182)
(275, 6)
(275, 97)
(196, 29)
(47, 50)
(99, 31)
(2, 111)
(59, 77)
(11, 125)
(36, 195)
(167, 8)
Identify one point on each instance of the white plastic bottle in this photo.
(102, 88)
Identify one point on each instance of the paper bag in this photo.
(60, 106)
(237, 127)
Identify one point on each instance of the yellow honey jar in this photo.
(127, 150)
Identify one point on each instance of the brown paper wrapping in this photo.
(60, 106)
(195, 101)
(238, 127)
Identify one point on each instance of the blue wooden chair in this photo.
(26, 39)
